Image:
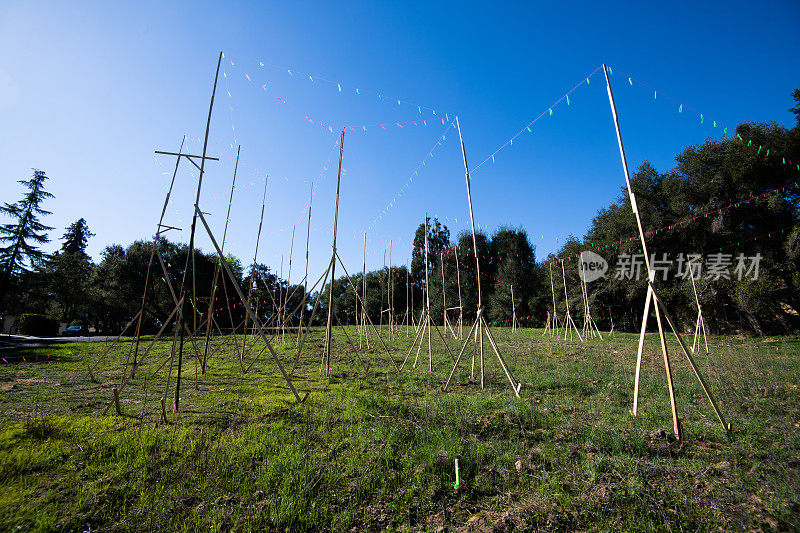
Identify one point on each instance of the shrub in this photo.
(39, 325)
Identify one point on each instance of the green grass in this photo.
(374, 449)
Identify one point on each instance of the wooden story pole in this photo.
(391, 289)
(651, 276)
(286, 297)
(428, 298)
(305, 282)
(218, 266)
(513, 311)
(460, 305)
(252, 279)
(329, 325)
(182, 315)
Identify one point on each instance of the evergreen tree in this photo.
(76, 237)
(25, 234)
(68, 273)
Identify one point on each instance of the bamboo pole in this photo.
(390, 293)
(408, 318)
(328, 331)
(305, 283)
(428, 298)
(568, 317)
(480, 322)
(375, 331)
(364, 294)
(513, 311)
(288, 282)
(444, 293)
(635, 208)
(474, 243)
(248, 310)
(192, 233)
(217, 267)
(460, 304)
(152, 251)
(387, 293)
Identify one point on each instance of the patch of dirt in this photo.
(488, 521)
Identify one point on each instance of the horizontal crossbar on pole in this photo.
(187, 155)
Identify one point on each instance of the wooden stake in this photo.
(116, 402)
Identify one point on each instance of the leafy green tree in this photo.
(26, 233)
(469, 278)
(514, 261)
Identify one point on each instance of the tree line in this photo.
(724, 200)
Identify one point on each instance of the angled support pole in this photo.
(248, 309)
(651, 292)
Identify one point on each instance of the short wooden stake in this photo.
(116, 402)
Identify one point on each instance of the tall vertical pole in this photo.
(474, 243)
(460, 305)
(253, 270)
(391, 290)
(328, 331)
(428, 299)
(305, 278)
(412, 298)
(218, 267)
(513, 311)
(407, 302)
(444, 296)
(553, 291)
(387, 292)
(363, 328)
(279, 310)
(286, 296)
(651, 277)
(182, 315)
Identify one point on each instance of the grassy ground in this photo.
(374, 449)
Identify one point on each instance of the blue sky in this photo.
(88, 92)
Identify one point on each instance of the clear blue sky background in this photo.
(89, 91)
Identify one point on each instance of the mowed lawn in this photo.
(374, 449)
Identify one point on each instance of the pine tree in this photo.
(69, 270)
(25, 234)
(76, 237)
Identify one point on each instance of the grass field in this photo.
(374, 449)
